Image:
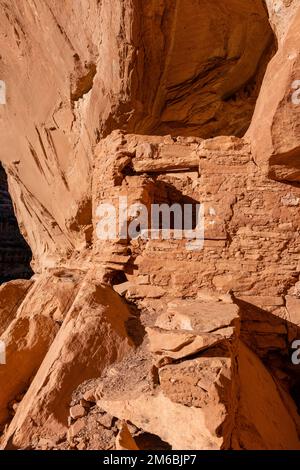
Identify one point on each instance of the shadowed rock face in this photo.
(203, 66)
(15, 254)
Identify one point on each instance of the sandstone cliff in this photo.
(120, 343)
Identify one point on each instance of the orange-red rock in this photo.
(120, 343)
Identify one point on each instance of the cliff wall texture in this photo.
(119, 343)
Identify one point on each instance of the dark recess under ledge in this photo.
(15, 254)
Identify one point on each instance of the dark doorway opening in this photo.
(166, 193)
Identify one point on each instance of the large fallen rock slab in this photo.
(190, 376)
(206, 383)
(29, 335)
(159, 415)
(92, 336)
(178, 344)
(199, 316)
(225, 407)
(266, 418)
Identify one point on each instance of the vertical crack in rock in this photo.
(14, 251)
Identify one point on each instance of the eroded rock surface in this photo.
(118, 344)
(15, 254)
